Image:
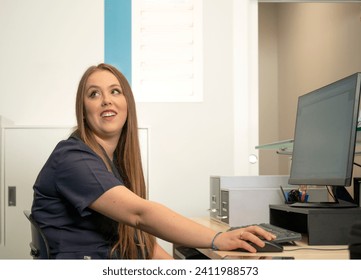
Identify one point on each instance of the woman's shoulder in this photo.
(72, 143)
(71, 147)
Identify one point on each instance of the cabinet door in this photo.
(25, 152)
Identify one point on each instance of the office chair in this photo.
(39, 248)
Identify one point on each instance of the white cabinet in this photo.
(24, 151)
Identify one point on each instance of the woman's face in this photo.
(105, 105)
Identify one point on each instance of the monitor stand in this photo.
(323, 226)
(342, 200)
(339, 204)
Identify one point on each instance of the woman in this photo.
(90, 197)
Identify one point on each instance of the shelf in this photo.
(283, 147)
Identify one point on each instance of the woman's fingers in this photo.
(243, 238)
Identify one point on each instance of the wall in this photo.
(317, 43)
(47, 44)
(268, 87)
(191, 141)
(44, 53)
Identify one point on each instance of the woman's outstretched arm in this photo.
(124, 206)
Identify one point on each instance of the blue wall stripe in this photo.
(118, 35)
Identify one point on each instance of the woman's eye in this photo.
(93, 94)
(116, 91)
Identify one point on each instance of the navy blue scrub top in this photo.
(71, 179)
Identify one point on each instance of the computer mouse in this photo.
(269, 247)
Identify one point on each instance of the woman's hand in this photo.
(235, 239)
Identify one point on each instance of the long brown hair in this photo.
(128, 162)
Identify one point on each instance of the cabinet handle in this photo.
(222, 217)
(11, 196)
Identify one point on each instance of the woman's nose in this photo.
(106, 100)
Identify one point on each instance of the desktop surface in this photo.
(299, 250)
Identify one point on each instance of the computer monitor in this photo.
(325, 139)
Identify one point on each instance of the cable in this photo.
(330, 193)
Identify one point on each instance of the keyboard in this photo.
(282, 235)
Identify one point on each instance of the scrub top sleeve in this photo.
(82, 177)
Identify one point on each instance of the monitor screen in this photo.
(325, 134)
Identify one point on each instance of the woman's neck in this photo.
(109, 145)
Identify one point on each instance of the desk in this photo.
(299, 251)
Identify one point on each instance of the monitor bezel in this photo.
(347, 179)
